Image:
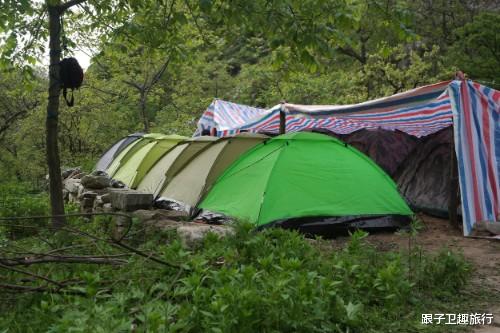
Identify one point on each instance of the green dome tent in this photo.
(132, 164)
(303, 175)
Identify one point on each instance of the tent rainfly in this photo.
(472, 109)
(191, 183)
(172, 162)
(132, 164)
(304, 175)
(111, 153)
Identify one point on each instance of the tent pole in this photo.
(282, 122)
(454, 187)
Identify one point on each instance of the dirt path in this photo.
(483, 254)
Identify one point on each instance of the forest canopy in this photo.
(156, 65)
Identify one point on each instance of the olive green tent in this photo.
(190, 183)
(129, 151)
(135, 162)
(303, 175)
(171, 162)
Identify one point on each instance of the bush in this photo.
(19, 200)
(270, 281)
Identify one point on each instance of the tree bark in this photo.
(53, 161)
(145, 118)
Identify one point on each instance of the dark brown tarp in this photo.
(387, 148)
(424, 177)
(420, 167)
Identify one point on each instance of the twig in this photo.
(145, 255)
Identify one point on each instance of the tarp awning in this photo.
(418, 112)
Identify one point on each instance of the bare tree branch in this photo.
(71, 3)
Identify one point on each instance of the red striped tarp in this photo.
(476, 116)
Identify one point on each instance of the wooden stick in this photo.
(454, 187)
(282, 122)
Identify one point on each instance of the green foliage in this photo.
(20, 199)
(476, 50)
(273, 280)
(449, 270)
(310, 52)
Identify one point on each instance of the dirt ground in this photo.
(482, 253)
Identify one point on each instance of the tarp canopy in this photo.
(304, 174)
(172, 162)
(137, 161)
(473, 109)
(418, 112)
(196, 177)
(110, 154)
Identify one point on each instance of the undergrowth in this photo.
(270, 281)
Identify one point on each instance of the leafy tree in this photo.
(477, 49)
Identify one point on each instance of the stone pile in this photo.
(97, 192)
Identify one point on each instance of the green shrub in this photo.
(269, 281)
(447, 269)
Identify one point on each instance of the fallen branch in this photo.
(144, 254)
(17, 270)
(61, 259)
(17, 288)
(113, 241)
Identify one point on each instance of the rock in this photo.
(158, 214)
(87, 200)
(99, 173)
(117, 184)
(68, 173)
(80, 192)
(493, 227)
(87, 203)
(163, 225)
(130, 200)
(71, 185)
(119, 226)
(106, 198)
(96, 182)
(65, 194)
(98, 203)
(77, 175)
(192, 234)
(89, 195)
(107, 208)
(73, 198)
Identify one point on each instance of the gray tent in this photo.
(108, 156)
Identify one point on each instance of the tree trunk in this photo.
(145, 119)
(53, 162)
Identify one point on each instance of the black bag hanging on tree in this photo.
(71, 77)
